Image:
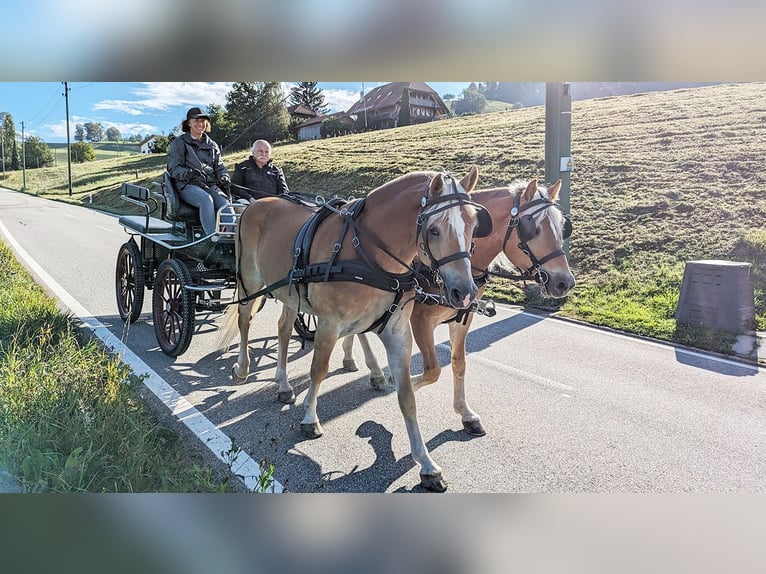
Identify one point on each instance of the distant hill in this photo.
(533, 93)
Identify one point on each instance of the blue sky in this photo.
(139, 107)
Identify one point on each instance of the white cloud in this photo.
(340, 100)
(164, 96)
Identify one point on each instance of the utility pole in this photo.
(68, 151)
(558, 141)
(23, 161)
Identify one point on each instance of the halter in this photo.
(526, 229)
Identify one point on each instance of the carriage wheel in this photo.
(305, 325)
(173, 307)
(129, 282)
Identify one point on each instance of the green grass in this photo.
(660, 178)
(71, 416)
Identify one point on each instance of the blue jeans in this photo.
(208, 203)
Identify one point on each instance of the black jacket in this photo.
(267, 180)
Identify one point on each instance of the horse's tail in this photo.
(230, 327)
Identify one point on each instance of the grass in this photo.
(660, 178)
(71, 416)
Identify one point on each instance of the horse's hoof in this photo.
(433, 482)
(236, 378)
(311, 430)
(381, 383)
(474, 428)
(286, 397)
(350, 365)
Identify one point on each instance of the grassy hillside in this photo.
(660, 178)
(104, 150)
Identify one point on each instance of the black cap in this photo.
(196, 113)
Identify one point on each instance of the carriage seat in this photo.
(177, 209)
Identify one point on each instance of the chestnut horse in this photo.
(529, 230)
(357, 276)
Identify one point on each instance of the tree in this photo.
(448, 96)
(471, 102)
(9, 140)
(308, 94)
(222, 129)
(37, 153)
(256, 110)
(94, 132)
(113, 134)
(405, 118)
(330, 127)
(79, 133)
(82, 152)
(161, 144)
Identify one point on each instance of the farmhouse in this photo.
(382, 105)
(147, 145)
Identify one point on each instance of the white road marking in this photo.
(218, 442)
(544, 381)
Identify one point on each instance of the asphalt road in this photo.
(567, 408)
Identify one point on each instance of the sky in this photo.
(140, 107)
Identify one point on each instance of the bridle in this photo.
(522, 219)
(444, 202)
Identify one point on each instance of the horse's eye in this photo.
(434, 231)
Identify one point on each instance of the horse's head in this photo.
(539, 229)
(448, 220)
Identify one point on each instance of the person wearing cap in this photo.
(194, 163)
(258, 174)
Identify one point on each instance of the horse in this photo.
(355, 275)
(524, 211)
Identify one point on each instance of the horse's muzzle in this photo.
(461, 297)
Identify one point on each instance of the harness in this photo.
(363, 270)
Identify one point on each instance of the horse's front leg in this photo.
(423, 331)
(241, 368)
(324, 342)
(398, 343)
(378, 380)
(285, 393)
(457, 336)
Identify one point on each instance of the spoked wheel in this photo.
(173, 307)
(129, 282)
(306, 325)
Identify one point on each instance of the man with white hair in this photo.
(258, 175)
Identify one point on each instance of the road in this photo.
(567, 407)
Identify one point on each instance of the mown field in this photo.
(660, 178)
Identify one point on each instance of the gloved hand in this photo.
(225, 182)
(193, 174)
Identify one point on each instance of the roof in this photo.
(341, 116)
(301, 110)
(388, 95)
(147, 139)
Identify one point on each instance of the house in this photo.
(147, 145)
(382, 105)
(301, 113)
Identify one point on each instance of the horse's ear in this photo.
(531, 190)
(437, 186)
(469, 181)
(553, 190)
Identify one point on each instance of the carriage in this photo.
(169, 254)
